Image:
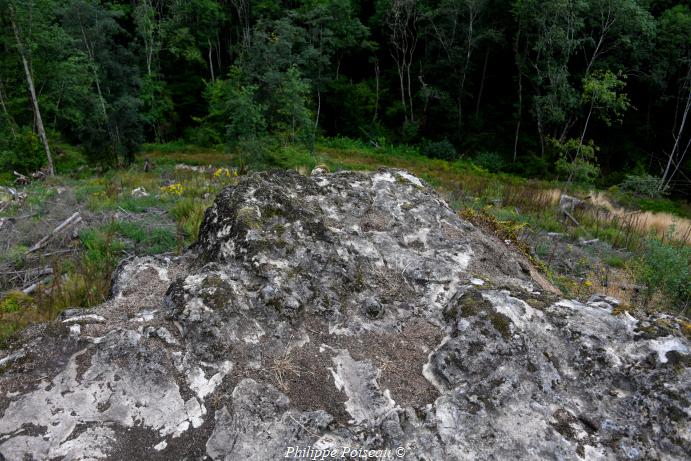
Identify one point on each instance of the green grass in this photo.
(189, 213)
(657, 205)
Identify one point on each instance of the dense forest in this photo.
(584, 90)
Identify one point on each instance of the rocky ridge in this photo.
(344, 310)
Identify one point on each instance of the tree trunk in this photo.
(519, 115)
(410, 94)
(580, 141)
(319, 107)
(400, 80)
(211, 62)
(95, 72)
(376, 100)
(32, 92)
(10, 120)
(667, 176)
(482, 84)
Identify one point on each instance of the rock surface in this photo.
(344, 311)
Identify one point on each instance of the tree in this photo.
(233, 105)
(602, 94)
(294, 116)
(549, 32)
(25, 56)
(402, 20)
(116, 128)
(332, 30)
(675, 68)
(456, 25)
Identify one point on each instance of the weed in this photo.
(615, 261)
(505, 230)
(173, 189)
(664, 268)
(189, 214)
(16, 311)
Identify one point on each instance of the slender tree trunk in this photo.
(219, 63)
(211, 62)
(582, 139)
(519, 115)
(319, 107)
(410, 95)
(403, 98)
(666, 176)
(32, 92)
(10, 120)
(541, 133)
(376, 100)
(482, 84)
(90, 52)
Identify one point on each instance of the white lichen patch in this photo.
(88, 318)
(367, 403)
(516, 309)
(409, 177)
(385, 177)
(104, 393)
(428, 369)
(668, 344)
(203, 386)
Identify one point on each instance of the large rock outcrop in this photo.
(346, 312)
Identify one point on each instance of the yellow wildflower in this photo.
(173, 189)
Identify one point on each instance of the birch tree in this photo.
(24, 52)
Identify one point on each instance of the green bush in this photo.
(577, 161)
(643, 186)
(189, 214)
(664, 268)
(23, 153)
(491, 161)
(203, 136)
(440, 149)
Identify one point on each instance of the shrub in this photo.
(643, 185)
(189, 214)
(16, 311)
(440, 149)
(664, 268)
(578, 162)
(23, 153)
(491, 161)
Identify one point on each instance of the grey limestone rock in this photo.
(343, 312)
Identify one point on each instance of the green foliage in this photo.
(439, 149)
(577, 161)
(22, 152)
(16, 311)
(603, 91)
(189, 214)
(486, 76)
(643, 186)
(292, 119)
(491, 161)
(664, 268)
(235, 111)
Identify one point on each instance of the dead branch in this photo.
(21, 179)
(75, 218)
(568, 215)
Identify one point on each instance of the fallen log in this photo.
(75, 218)
(568, 215)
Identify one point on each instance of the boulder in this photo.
(344, 315)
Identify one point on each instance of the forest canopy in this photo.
(585, 90)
